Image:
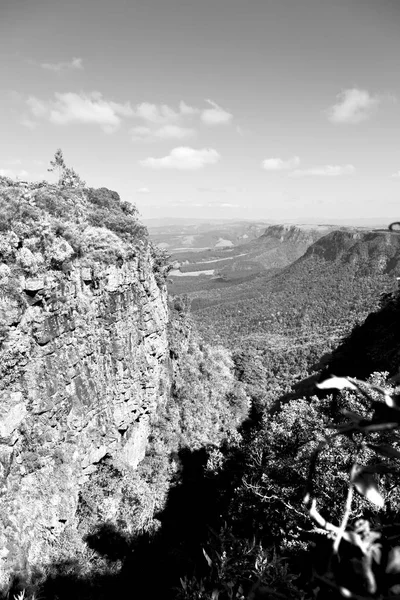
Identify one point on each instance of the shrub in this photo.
(106, 210)
(102, 245)
(56, 224)
(161, 265)
(67, 177)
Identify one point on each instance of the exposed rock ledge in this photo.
(81, 368)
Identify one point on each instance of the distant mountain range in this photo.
(277, 247)
(335, 284)
(285, 280)
(189, 235)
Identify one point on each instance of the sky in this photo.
(254, 109)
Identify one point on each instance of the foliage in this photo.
(367, 563)
(67, 177)
(44, 228)
(161, 265)
(239, 569)
(105, 209)
(311, 294)
(207, 403)
(372, 345)
(205, 407)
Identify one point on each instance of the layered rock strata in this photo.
(83, 368)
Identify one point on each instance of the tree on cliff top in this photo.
(67, 177)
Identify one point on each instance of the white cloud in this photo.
(29, 123)
(174, 132)
(74, 64)
(163, 114)
(185, 109)
(166, 132)
(396, 175)
(215, 115)
(229, 189)
(143, 190)
(22, 174)
(277, 164)
(324, 171)
(241, 131)
(163, 122)
(183, 158)
(89, 108)
(12, 162)
(37, 107)
(353, 106)
(156, 113)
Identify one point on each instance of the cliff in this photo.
(374, 251)
(83, 359)
(296, 233)
(280, 245)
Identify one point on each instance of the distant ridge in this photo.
(335, 284)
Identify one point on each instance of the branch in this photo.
(253, 488)
(345, 519)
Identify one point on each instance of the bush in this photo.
(106, 210)
(102, 245)
(45, 227)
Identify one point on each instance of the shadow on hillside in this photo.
(372, 346)
(148, 566)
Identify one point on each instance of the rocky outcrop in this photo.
(375, 251)
(296, 234)
(83, 368)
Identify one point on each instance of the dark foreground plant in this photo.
(362, 560)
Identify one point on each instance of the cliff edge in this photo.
(83, 357)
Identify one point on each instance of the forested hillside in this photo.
(214, 457)
(103, 388)
(335, 283)
(308, 322)
(224, 274)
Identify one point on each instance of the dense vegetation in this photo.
(313, 294)
(247, 486)
(43, 227)
(220, 514)
(238, 268)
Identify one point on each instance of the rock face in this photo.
(83, 368)
(376, 251)
(297, 234)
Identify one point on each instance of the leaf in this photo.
(376, 553)
(365, 485)
(393, 561)
(337, 383)
(208, 559)
(392, 401)
(385, 450)
(183, 583)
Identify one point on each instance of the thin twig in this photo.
(345, 519)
